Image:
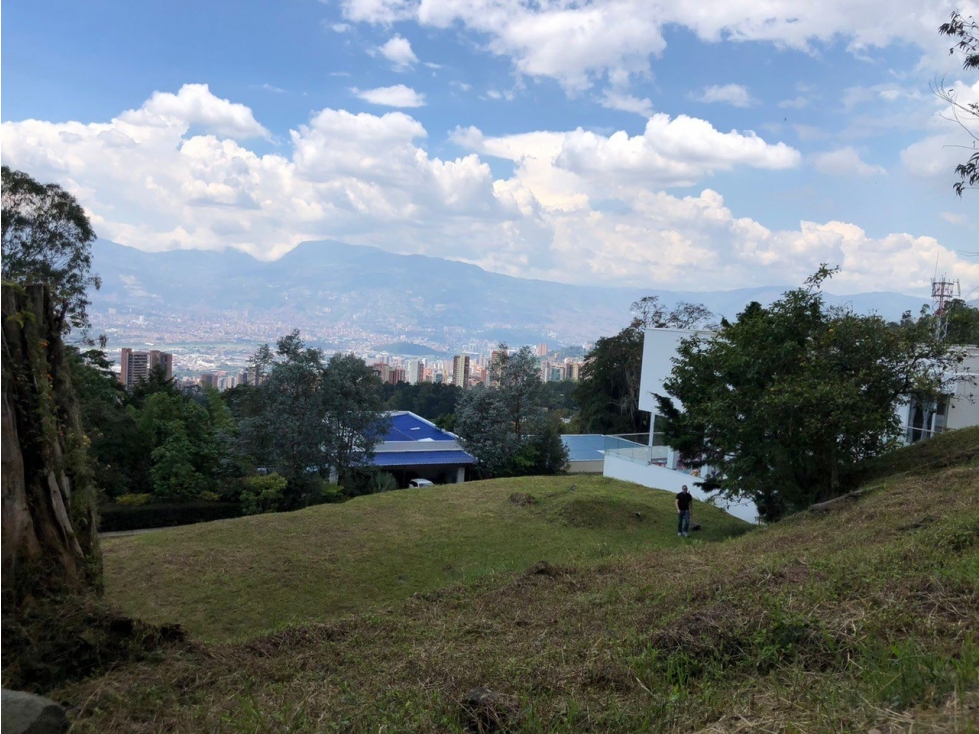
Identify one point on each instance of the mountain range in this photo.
(342, 293)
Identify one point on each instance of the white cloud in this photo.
(845, 162)
(398, 51)
(796, 103)
(340, 27)
(577, 43)
(397, 96)
(732, 94)
(149, 180)
(671, 152)
(195, 105)
(614, 100)
(953, 218)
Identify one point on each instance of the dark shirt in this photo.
(683, 501)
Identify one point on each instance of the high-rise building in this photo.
(541, 350)
(136, 366)
(210, 379)
(460, 370)
(415, 371)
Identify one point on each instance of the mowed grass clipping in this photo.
(862, 617)
(242, 578)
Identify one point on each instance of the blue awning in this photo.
(421, 458)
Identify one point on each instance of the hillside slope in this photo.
(246, 577)
(864, 616)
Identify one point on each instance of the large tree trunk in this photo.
(50, 539)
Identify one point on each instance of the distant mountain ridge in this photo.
(338, 290)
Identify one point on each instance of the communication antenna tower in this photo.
(943, 291)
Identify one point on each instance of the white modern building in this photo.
(958, 409)
(655, 464)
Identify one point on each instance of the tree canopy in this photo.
(309, 416)
(506, 426)
(784, 402)
(47, 239)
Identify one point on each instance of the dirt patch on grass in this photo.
(523, 499)
(598, 513)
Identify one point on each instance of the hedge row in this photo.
(164, 515)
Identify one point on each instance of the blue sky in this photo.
(657, 142)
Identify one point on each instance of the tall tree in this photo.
(47, 239)
(506, 426)
(961, 323)
(50, 541)
(309, 416)
(965, 34)
(352, 412)
(292, 411)
(788, 399)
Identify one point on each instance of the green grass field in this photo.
(243, 578)
(861, 617)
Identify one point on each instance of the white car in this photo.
(415, 483)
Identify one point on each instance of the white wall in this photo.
(658, 350)
(964, 406)
(658, 477)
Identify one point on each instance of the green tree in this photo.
(961, 323)
(290, 419)
(309, 416)
(353, 422)
(608, 392)
(431, 400)
(506, 426)
(787, 400)
(120, 463)
(965, 35)
(47, 239)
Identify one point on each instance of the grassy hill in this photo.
(863, 616)
(245, 577)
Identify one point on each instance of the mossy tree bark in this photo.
(50, 535)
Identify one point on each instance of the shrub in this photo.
(210, 496)
(263, 494)
(383, 481)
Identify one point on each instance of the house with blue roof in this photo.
(415, 448)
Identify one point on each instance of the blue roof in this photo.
(421, 458)
(410, 427)
(588, 447)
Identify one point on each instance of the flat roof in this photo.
(406, 426)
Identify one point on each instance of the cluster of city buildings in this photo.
(465, 370)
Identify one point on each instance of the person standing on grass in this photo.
(683, 502)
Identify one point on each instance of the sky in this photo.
(668, 144)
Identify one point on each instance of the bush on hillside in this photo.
(263, 494)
